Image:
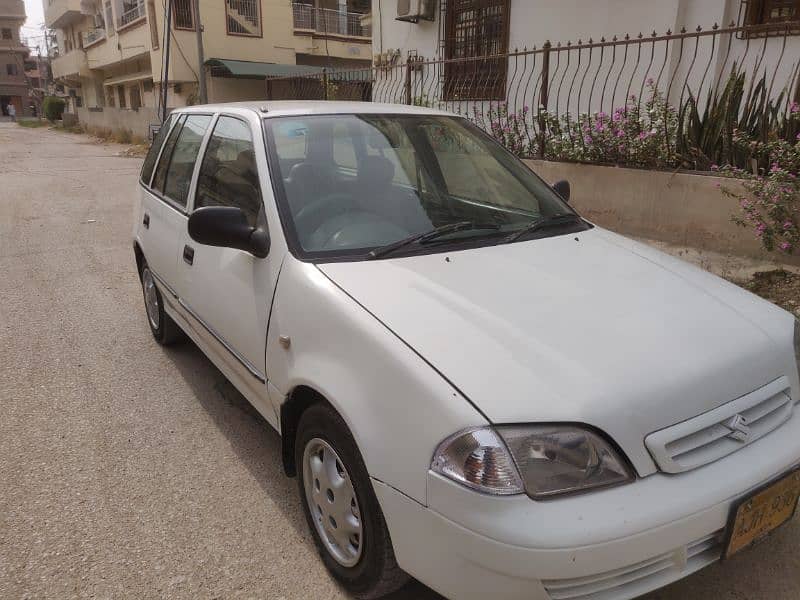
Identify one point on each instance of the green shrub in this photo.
(53, 108)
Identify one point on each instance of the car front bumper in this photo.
(612, 544)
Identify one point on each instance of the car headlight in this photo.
(563, 459)
(541, 460)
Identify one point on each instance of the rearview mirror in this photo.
(227, 227)
(562, 189)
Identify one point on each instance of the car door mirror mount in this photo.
(227, 227)
(562, 189)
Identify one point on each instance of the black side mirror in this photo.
(562, 189)
(227, 227)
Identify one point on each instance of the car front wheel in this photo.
(342, 511)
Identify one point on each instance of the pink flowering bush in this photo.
(769, 200)
(516, 131)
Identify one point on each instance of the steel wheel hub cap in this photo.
(150, 298)
(332, 502)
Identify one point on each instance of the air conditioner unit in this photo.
(414, 10)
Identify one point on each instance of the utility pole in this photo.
(165, 72)
(201, 70)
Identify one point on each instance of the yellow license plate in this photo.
(756, 516)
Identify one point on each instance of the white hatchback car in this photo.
(474, 385)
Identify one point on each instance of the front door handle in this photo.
(146, 221)
(188, 255)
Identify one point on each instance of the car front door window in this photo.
(228, 174)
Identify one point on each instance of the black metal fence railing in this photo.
(651, 100)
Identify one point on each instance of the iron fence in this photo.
(675, 99)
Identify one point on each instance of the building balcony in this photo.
(60, 13)
(12, 9)
(132, 12)
(326, 21)
(71, 65)
(93, 36)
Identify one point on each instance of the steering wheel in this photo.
(309, 218)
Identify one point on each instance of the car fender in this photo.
(397, 406)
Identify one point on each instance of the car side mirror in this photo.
(562, 189)
(227, 227)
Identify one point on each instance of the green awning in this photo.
(223, 67)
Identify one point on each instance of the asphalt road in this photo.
(131, 471)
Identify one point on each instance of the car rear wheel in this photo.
(164, 329)
(342, 511)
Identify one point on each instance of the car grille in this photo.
(707, 437)
(642, 577)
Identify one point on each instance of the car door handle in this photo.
(146, 221)
(188, 255)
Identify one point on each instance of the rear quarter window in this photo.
(152, 154)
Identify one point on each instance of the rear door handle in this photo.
(188, 255)
(146, 220)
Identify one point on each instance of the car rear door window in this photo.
(174, 173)
(152, 154)
(228, 173)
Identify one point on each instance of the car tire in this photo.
(368, 569)
(164, 329)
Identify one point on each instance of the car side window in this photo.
(178, 172)
(152, 154)
(228, 174)
(166, 154)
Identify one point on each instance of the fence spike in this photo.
(580, 41)
(603, 40)
(591, 41)
(516, 49)
(614, 38)
(715, 26)
(640, 36)
(733, 23)
(699, 29)
(669, 31)
(558, 45)
(525, 48)
(627, 37)
(654, 34)
(683, 29)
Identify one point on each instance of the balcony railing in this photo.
(93, 36)
(131, 12)
(326, 20)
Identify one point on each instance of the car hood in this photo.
(589, 327)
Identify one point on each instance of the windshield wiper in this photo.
(421, 238)
(543, 223)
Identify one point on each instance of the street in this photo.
(128, 470)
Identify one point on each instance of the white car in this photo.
(474, 385)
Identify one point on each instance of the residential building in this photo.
(464, 29)
(111, 52)
(13, 86)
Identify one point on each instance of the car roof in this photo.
(269, 108)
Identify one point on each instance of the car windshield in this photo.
(370, 184)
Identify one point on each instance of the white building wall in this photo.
(533, 22)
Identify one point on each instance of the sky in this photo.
(35, 11)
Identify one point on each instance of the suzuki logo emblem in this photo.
(739, 429)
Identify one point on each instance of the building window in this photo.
(473, 29)
(769, 12)
(243, 17)
(121, 95)
(109, 19)
(6, 33)
(183, 14)
(151, 9)
(11, 69)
